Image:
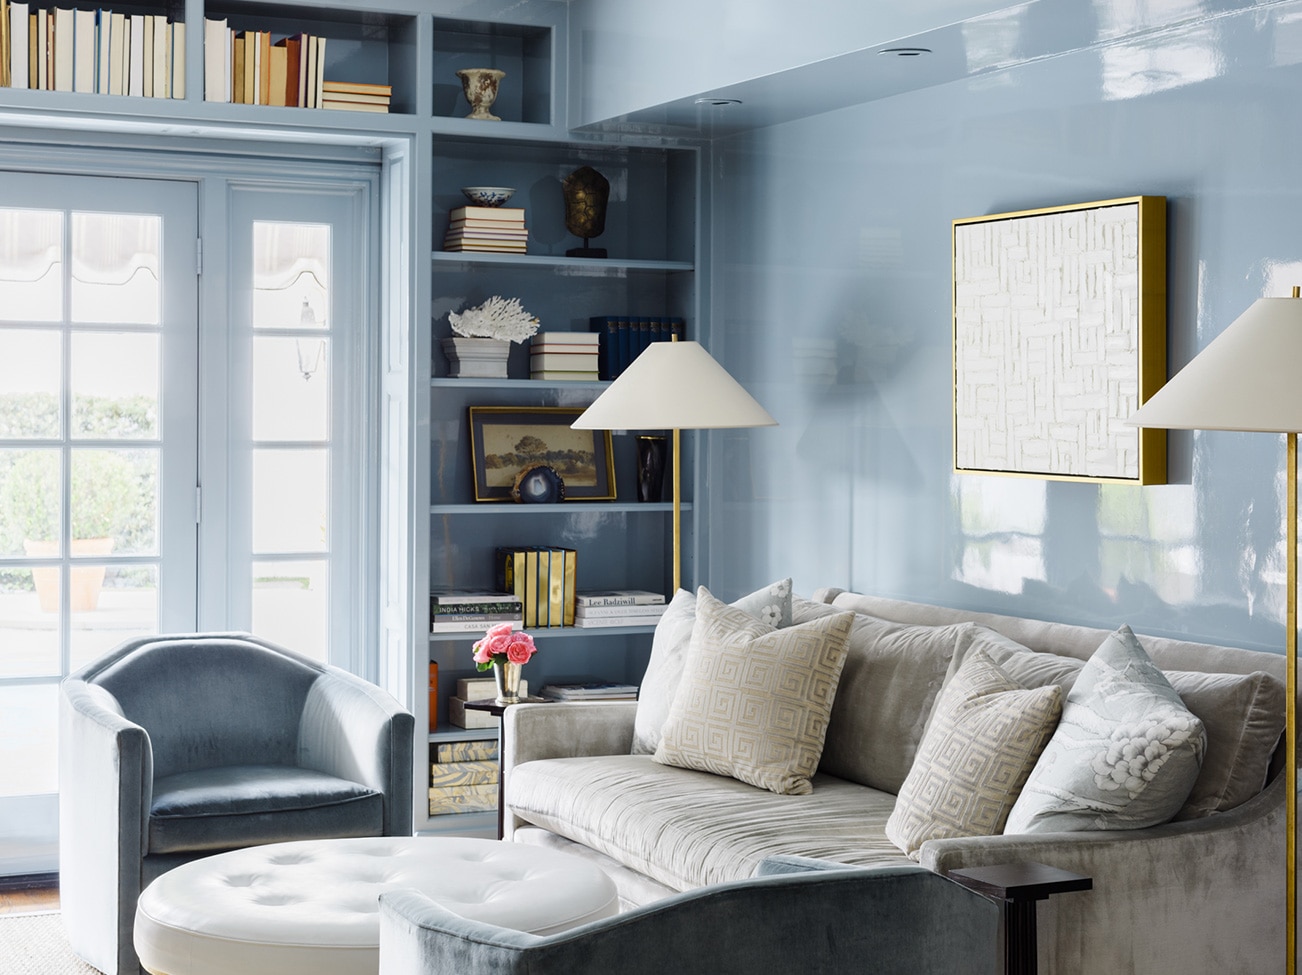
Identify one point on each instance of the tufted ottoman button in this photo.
(311, 907)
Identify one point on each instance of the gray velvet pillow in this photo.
(892, 674)
(1126, 753)
(771, 604)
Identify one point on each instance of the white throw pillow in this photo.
(772, 604)
(754, 701)
(1126, 753)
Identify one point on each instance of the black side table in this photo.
(493, 708)
(1019, 886)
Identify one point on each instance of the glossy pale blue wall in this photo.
(831, 301)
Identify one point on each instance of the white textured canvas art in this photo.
(1047, 342)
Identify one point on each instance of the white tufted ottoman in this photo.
(312, 908)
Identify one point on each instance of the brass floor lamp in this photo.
(1246, 380)
(674, 386)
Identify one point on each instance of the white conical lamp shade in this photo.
(1246, 378)
(674, 385)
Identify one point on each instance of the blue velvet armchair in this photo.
(177, 747)
(796, 915)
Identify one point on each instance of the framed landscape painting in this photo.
(1059, 336)
(506, 440)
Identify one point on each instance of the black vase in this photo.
(650, 468)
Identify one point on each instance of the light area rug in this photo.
(34, 944)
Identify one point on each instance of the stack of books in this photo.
(590, 691)
(564, 355)
(92, 51)
(348, 96)
(248, 68)
(463, 777)
(487, 229)
(472, 610)
(622, 338)
(618, 607)
(543, 579)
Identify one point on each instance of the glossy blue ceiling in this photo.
(1154, 45)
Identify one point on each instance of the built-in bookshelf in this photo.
(411, 53)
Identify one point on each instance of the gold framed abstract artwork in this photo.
(1060, 335)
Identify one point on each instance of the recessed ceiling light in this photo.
(905, 52)
(717, 102)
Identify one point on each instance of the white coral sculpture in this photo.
(497, 318)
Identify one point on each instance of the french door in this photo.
(98, 453)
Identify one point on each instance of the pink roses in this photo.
(501, 644)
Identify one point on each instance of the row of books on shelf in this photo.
(566, 356)
(488, 229)
(91, 51)
(622, 338)
(475, 610)
(247, 67)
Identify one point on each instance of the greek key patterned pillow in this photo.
(1126, 753)
(754, 702)
(985, 734)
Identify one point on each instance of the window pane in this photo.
(115, 268)
(29, 622)
(115, 385)
(291, 275)
(291, 386)
(31, 265)
(30, 502)
(111, 604)
(290, 494)
(115, 498)
(289, 605)
(30, 361)
(29, 716)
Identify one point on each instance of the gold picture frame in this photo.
(1059, 319)
(505, 440)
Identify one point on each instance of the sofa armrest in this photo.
(569, 730)
(106, 773)
(812, 921)
(355, 730)
(1212, 883)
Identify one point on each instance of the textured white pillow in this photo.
(985, 735)
(669, 646)
(1126, 753)
(754, 701)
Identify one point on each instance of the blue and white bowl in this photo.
(488, 196)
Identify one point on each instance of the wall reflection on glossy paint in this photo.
(1193, 115)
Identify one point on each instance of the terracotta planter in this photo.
(86, 580)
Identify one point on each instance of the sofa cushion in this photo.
(1125, 755)
(754, 701)
(669, 647)
(687, 829)
(985, 735)
(245, 805)
(893, 672)
(1242, 714)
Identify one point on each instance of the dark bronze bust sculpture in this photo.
(586, 193)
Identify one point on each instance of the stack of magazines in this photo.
(590, 691)
(472, 610)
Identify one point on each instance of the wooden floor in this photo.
(29, 899)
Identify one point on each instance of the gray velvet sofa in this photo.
(1201, 893)
(796, 916)
(177, 747)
